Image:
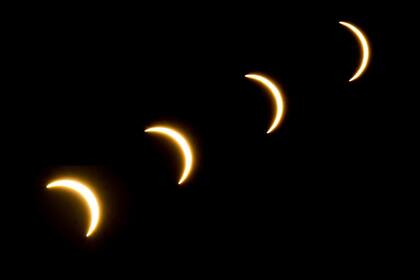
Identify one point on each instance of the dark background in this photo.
(315, 195)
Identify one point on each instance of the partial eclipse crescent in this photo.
(278, 98)
(364, 45)
(183, 144)
(87, 194)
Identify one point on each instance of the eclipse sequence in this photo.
(182, 141)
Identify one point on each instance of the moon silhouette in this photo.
(183, 144)
(278, 98)
(364, 45)
(84, 192)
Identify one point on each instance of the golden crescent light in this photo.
(364, 47)
(278, 98)
(87, 194)
(183, 145)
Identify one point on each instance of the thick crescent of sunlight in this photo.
(88, 196)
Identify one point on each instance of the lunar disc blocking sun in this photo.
(183, 144)
(364, 46)
(87, 195)
(278, 98)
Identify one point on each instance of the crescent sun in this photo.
(278, 98)
(84, 192)
(183, 144)
(364, 45)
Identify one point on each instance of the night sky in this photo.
(316, 194)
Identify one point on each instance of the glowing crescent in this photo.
(364, 46)
(182, 143)
(87, 194)
(277, 98)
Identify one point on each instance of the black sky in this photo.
(82, 88)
